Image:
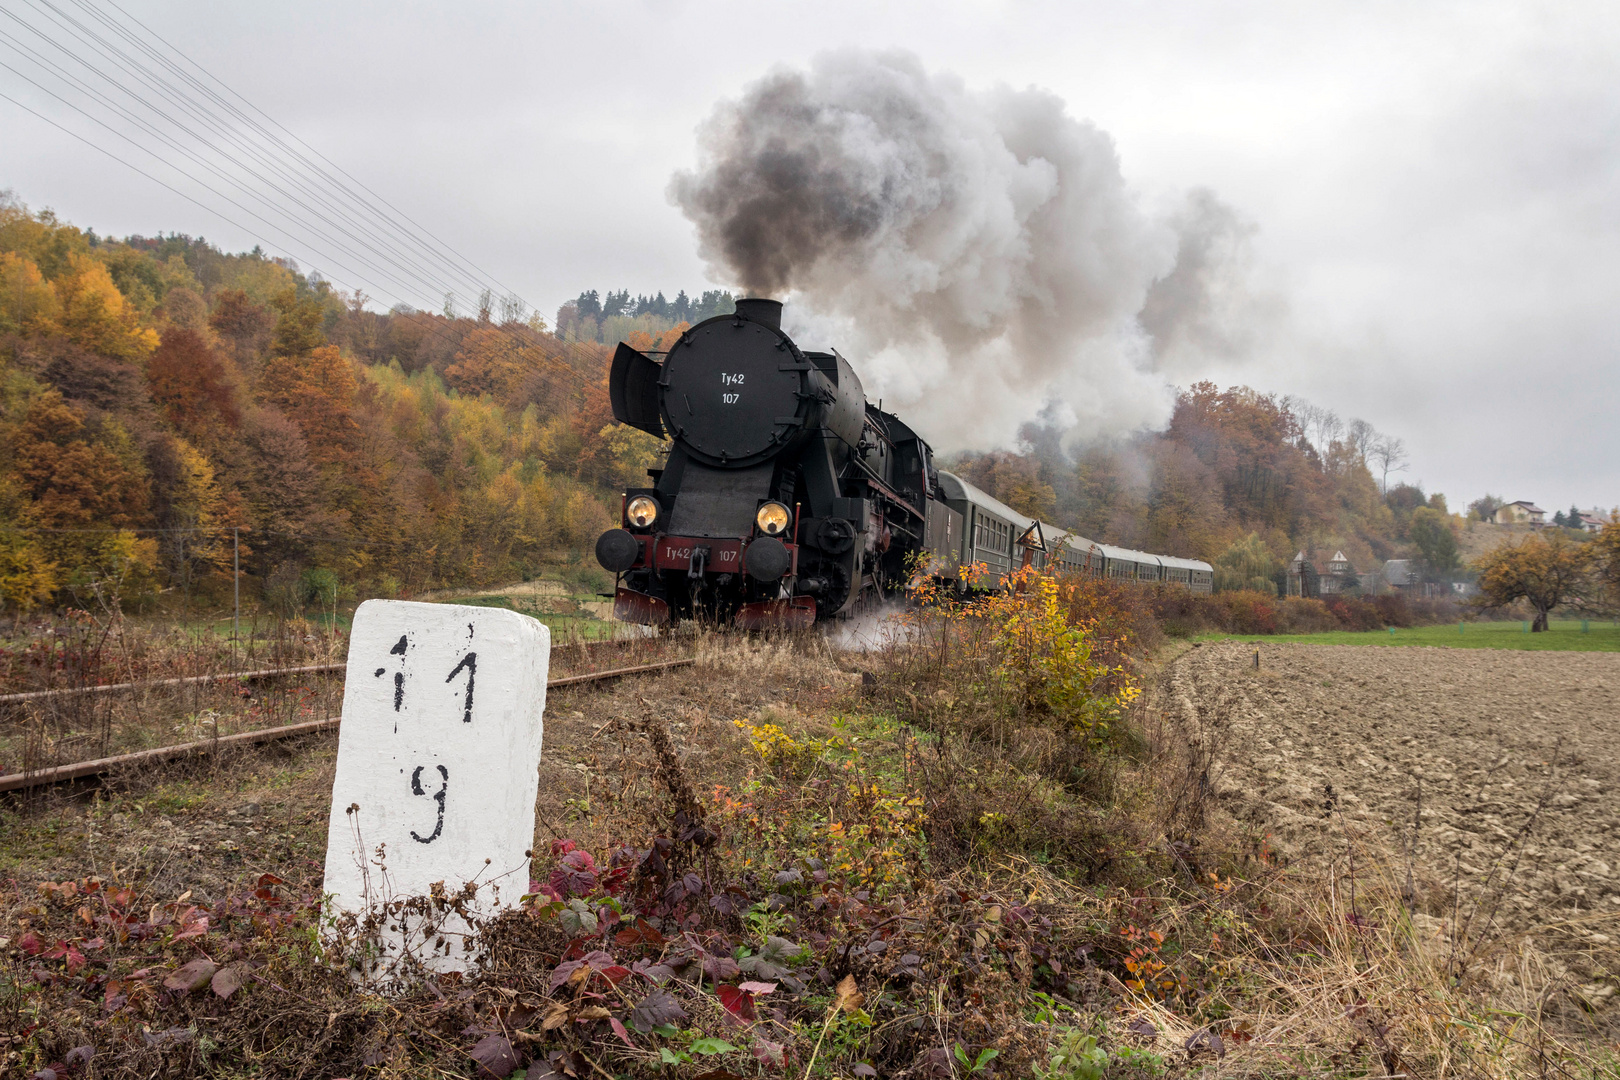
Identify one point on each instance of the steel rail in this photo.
(242, 676)
(99, 766)
(190, 680)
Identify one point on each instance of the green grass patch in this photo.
(585, 626)
(1572, 635)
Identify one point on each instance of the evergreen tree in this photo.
(1431, 532)
(712, 303)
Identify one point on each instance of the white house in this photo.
(1522, 512)
(1593, 520)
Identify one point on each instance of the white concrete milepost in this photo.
(437, 770)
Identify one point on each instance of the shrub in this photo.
(1046, 665)
(1181, 613)
(1249, 612)
(1238, 611)
(1354, 613)
(1124, 619)
(1427, 610)
(1180, 608)
(1393, 610)
(319, 586)
(1300, 615)
(1046, 660)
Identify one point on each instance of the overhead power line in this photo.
(309, 203)
(443, 250)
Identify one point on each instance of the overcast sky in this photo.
(1435, 187)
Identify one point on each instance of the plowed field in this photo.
(1488, 779)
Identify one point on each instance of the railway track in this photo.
(257, 675)
(101, 766)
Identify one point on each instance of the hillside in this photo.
(1478, 537)
(1238, 477)
(159, 394)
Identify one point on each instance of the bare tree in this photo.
(1328, 428)
(1361, 436)
(1305, 413)
(1320, 425)
(1389, 454)
(513, 309)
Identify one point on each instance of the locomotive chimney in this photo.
(759, 309)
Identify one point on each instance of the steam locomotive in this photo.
(788, 498)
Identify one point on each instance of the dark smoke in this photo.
(779, 194)
(977, 252)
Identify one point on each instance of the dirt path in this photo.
(1493, 775)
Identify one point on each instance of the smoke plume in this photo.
(977, 254)
(1206, 307)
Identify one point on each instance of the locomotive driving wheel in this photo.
(828, 580)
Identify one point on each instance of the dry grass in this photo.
(1045, 892)
(79, 651)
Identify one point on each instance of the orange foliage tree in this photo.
(317, 391)
(1545, 570)
(192, 384)
(70, 481)
(93, 313)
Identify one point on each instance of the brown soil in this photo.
(1485, 781)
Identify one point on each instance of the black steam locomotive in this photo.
(788, 498)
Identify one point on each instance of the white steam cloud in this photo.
(977, 254)
(1206, 308)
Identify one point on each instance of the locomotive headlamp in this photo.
(773, 519)
(642, 511)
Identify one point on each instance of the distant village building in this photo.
(1340, 576)
(1301, 578)
(1522, 512)
(1592, 520)
(1310, 579)
(1401, 575)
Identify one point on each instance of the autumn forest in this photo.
(156, 395)
(160, 398)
